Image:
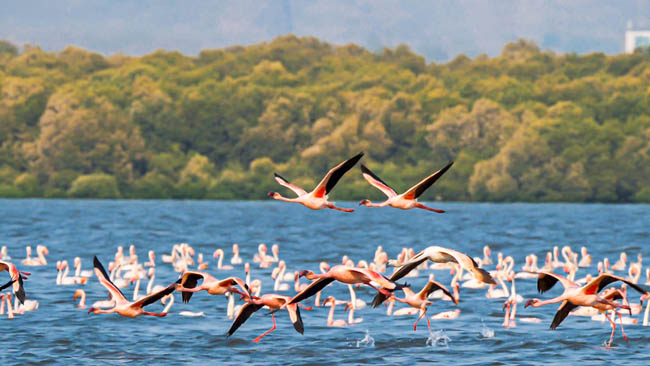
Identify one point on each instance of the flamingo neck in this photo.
(10, 310)
(82, 302)
(150, 283)
(41, 257)
(330, 317)
(230, 312)
(220, 260)
(371, 204)
(389, 311)
(136, 289)
(278, 279)
(279, 197)
(169, 304)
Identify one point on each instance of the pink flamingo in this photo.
(406, 200)
(345, 274)
(122, 306)
(275, 302)
(16, 281)
(317, 199)
(419, 300)
(575, 295)
(188, 284)
(437, 254)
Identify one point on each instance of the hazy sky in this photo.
(438, 29)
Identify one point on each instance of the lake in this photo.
(58, 333)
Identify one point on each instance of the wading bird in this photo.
(317, 199)
(406, 200)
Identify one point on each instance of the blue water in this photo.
(58, 333)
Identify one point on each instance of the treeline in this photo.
(528, 125)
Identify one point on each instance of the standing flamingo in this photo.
(317, 198)
(406, 200)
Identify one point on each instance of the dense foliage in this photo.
(528, 125)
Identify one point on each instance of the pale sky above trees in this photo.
(439, 30)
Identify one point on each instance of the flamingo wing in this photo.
(231, 281)
(105, 280)
(432, 286)
(296, 319)
(7, 285)
(297, 190)
(332, 177)
(376, 182)
(562, 313)
(311, 290)
(189, 280)
(401, 272)
(244, 313)
(468, 263)
(546, 281)
(600, 282)
(16, 280)
(415, 191)
(150, 299)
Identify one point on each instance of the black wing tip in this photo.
(378, 299)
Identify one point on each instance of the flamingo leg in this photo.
(340, 209)
(154, 314)
(611, 337)
(268, 331)
(415, 326)
(622, 330)
(419, 205)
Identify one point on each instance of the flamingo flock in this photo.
(591, 295)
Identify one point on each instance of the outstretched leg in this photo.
(622, 330)
(419, 205)
(611, 337)
(268, 331)
(154, 314)
(415, 325)
(340, 209)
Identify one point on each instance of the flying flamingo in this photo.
(438, 255)
(16, 279)
(122, 306)
(406, 200)
(188, 284)
(275, 302)
(575, 295)
(419, 300)
(317, 199)
(345, 274)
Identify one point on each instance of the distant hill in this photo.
(438, 30)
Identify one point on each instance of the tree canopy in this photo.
(528, 125)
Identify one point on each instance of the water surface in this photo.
(57, 333)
